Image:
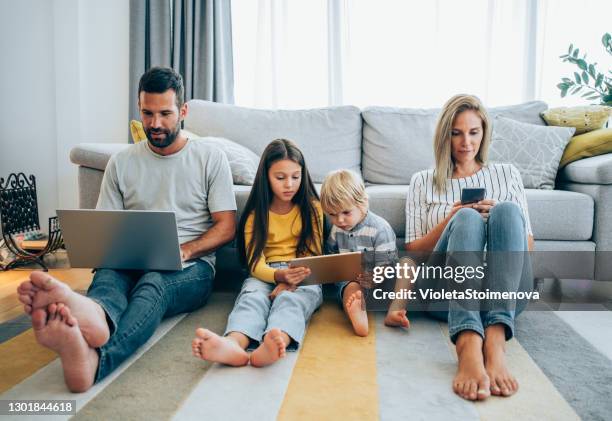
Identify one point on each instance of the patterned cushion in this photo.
(584, 119)
(534, 150)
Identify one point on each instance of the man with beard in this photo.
(94, 334)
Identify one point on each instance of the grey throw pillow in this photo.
(243, 162)
(535, 150)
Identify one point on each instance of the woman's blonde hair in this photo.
(442, 138)
(341, 190)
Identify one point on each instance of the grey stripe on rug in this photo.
(155, 386)
(578, 370)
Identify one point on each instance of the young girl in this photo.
(282, 220)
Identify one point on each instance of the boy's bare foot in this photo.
(59, 331)
(357, 315)
(209, 346)
(471, 381)
(397, 318)
(270, 350)
(42, 290)
(502, 382)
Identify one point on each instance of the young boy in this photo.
(356, 228)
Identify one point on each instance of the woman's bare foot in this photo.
(42, 290)
(271, 349)
(397, 318)
(471, 381)
(209, 346)
(356, 314)
(494, 349)
(59, 331)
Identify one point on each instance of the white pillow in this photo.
(535, 150)
(243, 162)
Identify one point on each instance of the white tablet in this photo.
(330, 268)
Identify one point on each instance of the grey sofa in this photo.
(388, 145)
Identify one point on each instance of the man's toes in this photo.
(27, 308)
(39, 319)
(41, 280)
(66, 314)
(52, 311)
(25, 299)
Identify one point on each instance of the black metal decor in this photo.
(19, 214)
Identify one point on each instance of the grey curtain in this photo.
(194, 37)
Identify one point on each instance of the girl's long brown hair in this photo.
(261, 197)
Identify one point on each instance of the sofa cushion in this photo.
(534, 150)
(330, 138)
(397, 142)
(549, 211)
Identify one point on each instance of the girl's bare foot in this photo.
(471, 381)
(271, 349)
(209, 346)
(494, 349)
(41, 290)
(357, 315)
(59, 331)
(397, 318)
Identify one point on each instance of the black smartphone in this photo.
(472, 195)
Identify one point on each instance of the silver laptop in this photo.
(121, 239)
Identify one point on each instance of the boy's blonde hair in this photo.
(343, 189)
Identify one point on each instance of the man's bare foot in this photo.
(270, 350)
(56, 329)
(42, 290)
(209, 346)
(494, 349)
(471, 381)
(397, 318)
(357, 315)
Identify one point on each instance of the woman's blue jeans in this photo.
(135, 303)
(508, 266)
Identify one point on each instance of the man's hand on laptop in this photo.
(291, 276)
(185, 253)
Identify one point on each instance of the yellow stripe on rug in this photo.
(21, 357)
(335, 375)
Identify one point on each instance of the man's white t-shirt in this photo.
(194, 182)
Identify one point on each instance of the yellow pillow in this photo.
(589, 144)
(584, 119)
(138, 133)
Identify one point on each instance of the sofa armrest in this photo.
(593, 170)
(95, 155)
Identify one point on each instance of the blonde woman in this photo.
(436, 221)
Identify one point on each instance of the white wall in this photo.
(63, 81)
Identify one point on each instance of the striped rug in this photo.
(393, 374)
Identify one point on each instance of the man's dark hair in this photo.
(159, 79)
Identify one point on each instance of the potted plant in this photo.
(588, 81)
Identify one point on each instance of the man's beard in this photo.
(163, 142)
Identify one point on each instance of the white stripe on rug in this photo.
(536, 399)
(233, 393)
(48, 382)
(415, 373)
(594, 325)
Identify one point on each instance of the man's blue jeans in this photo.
(135, 303)
(508, 265)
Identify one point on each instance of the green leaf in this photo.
(565, 79)
(593, 97)
(563, 93)
(571, 47)
(581, 63)
(585, 77)
(599, 80)
(576, 89)
(605, 40)
(577, 77)
(592, 70)
(575, 53)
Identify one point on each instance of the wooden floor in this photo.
(10, 307)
